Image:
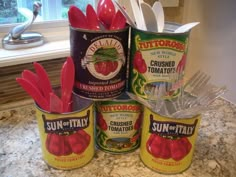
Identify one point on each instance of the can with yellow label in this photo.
(67, 139)
(167, 144)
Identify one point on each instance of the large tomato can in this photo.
(118, 125)
(100, 59)
(167, 144)
(67, 139)
(157, 58)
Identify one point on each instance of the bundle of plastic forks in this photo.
(156, 100)
(201, 102)
(194, 98)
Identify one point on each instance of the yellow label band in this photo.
(167, 144)
(67, 140)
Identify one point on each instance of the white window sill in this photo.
(50, 50)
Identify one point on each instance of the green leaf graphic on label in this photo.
(105, 54)
(138, 83)
(102, 137)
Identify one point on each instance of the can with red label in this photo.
(118, 125)
(100, 59)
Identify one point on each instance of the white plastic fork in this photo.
(208, 95)
(196, 85)
(156, 99)
(201, 103)
(139, 99)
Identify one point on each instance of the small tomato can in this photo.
(100, 59)
(167, 144)
(118, 125)
(67, 139)
(157, 58)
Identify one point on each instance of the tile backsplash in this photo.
(10, 91)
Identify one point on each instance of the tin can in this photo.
(100, 59)
(167, 144)
(67, 139)
(157, 58)
(118, 123)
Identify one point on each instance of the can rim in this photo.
(173, 118)
(122, 98)
(100, 31)
(66, 113)
(168, 32)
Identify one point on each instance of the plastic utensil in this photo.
(125, 13)
(139, 99)
(106, 11)
(201, 103)
(149, 17)
(138, 15)
(31, 77)
(67, 83)
(159, 13)
(118, 21)
(44, 82)
(76, 18)
(92, 18)
(155, 98)
(186, 27)
(56, 105)
(34, 93)
(141, 14)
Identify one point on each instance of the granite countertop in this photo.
(20, 152)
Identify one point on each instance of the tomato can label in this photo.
(100, 62)
(118, 125)
(156, 58)
(167, 144)
(67, 140)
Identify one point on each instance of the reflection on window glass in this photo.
(17, 11)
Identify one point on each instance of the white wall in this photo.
(213, 43)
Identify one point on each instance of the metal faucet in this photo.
(17, 38)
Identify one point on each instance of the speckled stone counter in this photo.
(20, 151)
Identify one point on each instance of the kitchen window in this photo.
(17, 11)
(51, 22)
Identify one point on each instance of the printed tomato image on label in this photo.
(62, 145)
(167, 144)
(166, 148)
(157, 58)
(100, 62)
(118, 125)
(139, 63)
(106, 60)
(67, 140)
(66, 136)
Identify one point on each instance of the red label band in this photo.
(100, 88)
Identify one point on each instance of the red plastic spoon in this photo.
(92, 18)
(118, 21)
(106, 11)
(76, 18)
